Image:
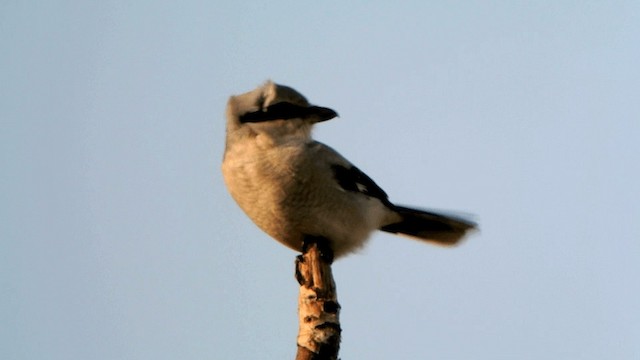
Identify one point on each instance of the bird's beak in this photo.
(322, 113)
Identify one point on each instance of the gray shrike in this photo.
(293, 187)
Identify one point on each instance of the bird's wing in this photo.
(350, 178)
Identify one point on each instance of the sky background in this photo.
(118, 239)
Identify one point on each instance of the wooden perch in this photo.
(318, 308)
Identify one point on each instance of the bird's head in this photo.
(274, 104)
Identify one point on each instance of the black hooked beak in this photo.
(285, 111)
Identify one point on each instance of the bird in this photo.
(293, 187)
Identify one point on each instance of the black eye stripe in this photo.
(285, 111)
(277, 111)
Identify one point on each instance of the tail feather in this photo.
(440, 229)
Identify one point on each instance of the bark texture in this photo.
(318, 308)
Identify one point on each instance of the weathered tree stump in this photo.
(318, 308)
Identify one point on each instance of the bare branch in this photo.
(318, 308)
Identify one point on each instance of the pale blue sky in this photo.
(118, 239)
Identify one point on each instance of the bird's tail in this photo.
(436, 228)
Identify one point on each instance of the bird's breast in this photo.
(265, 182)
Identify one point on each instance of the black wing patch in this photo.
(352, 179)
(285, 111)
